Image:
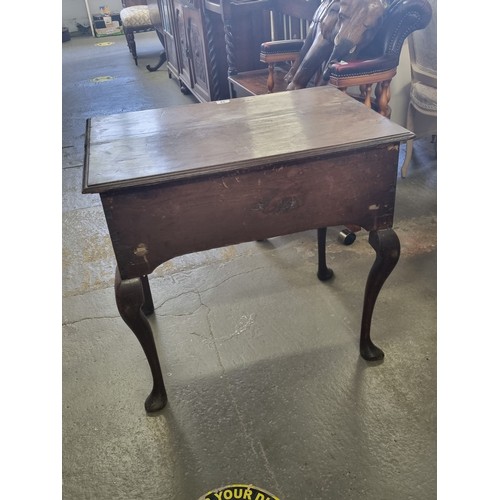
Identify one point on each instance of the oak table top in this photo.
(160, 145)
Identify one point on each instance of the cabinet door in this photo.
(168, 35)
(182, 45)
(193, 23)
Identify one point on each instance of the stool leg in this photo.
(387, 247)
(129, 35)
(163, 56)
(148, 306)
(163, 59)
(130, 299)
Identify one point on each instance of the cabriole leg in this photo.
(324, 273)
(387, 247)
(132, 296)
(148, 306)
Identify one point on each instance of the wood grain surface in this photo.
(162, 145)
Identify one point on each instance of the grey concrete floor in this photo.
(260, 359)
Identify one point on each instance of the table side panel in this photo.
(151, 224)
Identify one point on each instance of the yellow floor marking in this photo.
(100, 79)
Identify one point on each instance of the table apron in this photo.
(152, 224)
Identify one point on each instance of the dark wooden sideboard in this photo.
(194, 46)
(207, 40)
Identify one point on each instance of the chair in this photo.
(377, 64)
(135, 19)
(374, 67)
(422, 107)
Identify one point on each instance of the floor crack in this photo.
(258, 450)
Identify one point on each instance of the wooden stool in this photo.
(135, 19)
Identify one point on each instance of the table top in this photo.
(163, 145)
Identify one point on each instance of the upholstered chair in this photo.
(422, 108)
(374, 67)
(135, 19)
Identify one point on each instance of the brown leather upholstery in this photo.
(402, 18)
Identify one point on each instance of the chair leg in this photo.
(383, 96)
(270, 78)
(366, 94)
(129, 35)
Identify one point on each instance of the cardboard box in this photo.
(107, 25)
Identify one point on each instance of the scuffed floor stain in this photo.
(229, 253)
(98, 249)
(215, 256)
(89, 262)
(417, 235)
(87, 255)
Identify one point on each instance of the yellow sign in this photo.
(104, 44)
(239, 492)
(100, 79)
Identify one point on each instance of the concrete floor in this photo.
(260, 359)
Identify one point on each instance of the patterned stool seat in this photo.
(136, 15)
(135, 19)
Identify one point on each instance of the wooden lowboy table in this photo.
(191, 178)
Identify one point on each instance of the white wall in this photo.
(75, 11)
(400, 88)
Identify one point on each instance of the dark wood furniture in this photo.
(186, 179)
(193, 39)
(206, 41)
